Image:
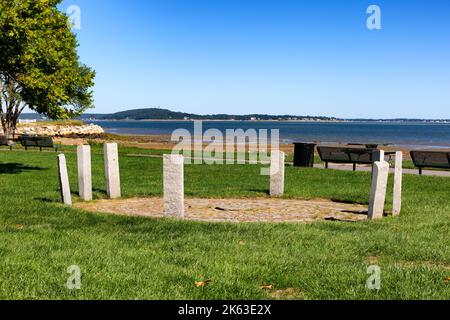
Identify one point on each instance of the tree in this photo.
(39, 64)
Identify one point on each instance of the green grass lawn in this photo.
(140, 258)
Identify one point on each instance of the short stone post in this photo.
(173, 186)
(112, 174)
(277, 173)
(378, 192)
(84, 172)
(397, 203)
(64, 186)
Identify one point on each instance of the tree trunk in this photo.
(9, 130)
(11, 106)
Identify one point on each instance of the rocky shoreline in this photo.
(62, 130)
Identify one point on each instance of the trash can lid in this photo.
(305, 143)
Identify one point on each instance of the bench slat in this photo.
(4, 141)
(37, 141)
(346, 155)
(431, 159)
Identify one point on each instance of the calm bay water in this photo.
(401, 134)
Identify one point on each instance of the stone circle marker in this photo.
(112, 173)
(397, 203)
(378, 192)
(64, 186)
(84, 172)
(277, 159)
(173, 185)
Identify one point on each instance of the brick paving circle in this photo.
(236, 210)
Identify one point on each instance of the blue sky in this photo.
(269, 56)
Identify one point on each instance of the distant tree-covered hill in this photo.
(165, 114)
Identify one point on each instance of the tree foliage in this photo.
(39, 64)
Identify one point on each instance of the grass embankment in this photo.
(139, 258)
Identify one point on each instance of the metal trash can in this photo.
(304, 154)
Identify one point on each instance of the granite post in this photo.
(84, 172)
(378, 192)
(112, 173)
(397, 203)
(64, 186)
(277, 159)
(173, 185)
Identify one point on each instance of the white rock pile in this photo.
(61, 130)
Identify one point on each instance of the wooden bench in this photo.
(369, 145)
(37, 142)
(4, 141)
(430, 159)
(347, 155)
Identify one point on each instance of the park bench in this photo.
(37, 142)
(369, 145)
(430, 159)
(4, 141)
(350, 155)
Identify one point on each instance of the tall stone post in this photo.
(112, 174)
(173, 186)
(63, 176)
(398, 177)
(378, 192)
(84, 172)
(277, 159)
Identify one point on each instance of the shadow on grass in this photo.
(338, 220)
(355, 212)
(262, 190)
(45, 200)
(14, 168)
(97, 190)
(348, 201)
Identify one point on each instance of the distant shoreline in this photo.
(428, 122)
(211, 120)
(166, 115)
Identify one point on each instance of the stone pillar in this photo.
(64, 186)
(173, 186)
(378, 192)
(277, 173)
(112, 174)
(397, 204)
(84, 172)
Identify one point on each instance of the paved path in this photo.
(345, 167)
